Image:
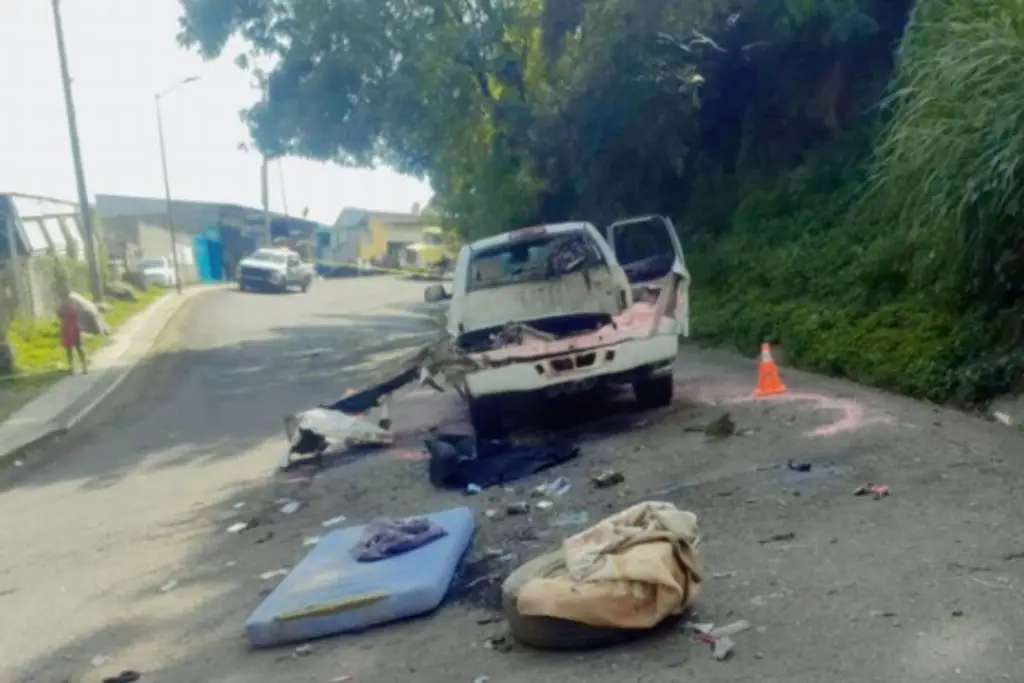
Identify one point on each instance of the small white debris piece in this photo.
(19, 463)
(333, 521)
(230, 563)
(729, 630)
(1003, 418)
(291, 507)
(310, 540)
(238, 527)
(267, 576)
(544, 505)
(100, 660)
(303, 650)
(723, 648)
(239, 505)
(169, 586)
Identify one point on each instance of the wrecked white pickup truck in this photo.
(561, 308)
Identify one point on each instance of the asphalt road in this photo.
(113, 513)
(115, 543)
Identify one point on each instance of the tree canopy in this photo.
(822, 156)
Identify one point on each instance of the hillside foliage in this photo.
(845, 173)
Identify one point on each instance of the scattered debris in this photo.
(291, 507)
(545, 505)
(482, 679)
(571, 519)
(19, 463)
(473, 489)
(126, 676)
(1003, 418)
(556, 487)
(517, 509)
(762, 600)
(333, 521)
(499, 644)
(267, 576)
(341, 679)
(304, 650)
(239, 527)
(958, 613)
(884, 614)
(720, 638)
(458, 460)
(722, 648)
(798, 466)
(169, 586)
(264, 538)
(310, 541)
(100, 660)
(607, 479)
(239, 505)
(778, 538)
(719, 428)
(230, 563)
(491, 514)
(723, 575)
(879, 491)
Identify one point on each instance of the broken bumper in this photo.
(584, 366)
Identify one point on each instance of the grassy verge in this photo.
(40, 357)
(867, 300)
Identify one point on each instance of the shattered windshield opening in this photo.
(533, 259)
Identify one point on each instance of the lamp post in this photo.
(167, 183)
(95, 282)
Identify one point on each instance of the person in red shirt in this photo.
(71, 332)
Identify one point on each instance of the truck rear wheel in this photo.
(654, 392)
(305, 285)
(487, 417)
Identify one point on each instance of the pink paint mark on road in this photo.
(851, 414)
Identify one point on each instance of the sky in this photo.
(120, 53)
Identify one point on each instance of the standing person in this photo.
(71, 332)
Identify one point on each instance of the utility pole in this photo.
(167, 181)
(265, 196)
(95, 283)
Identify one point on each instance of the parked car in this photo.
(158, 272)
(555, 309)
(274, 269)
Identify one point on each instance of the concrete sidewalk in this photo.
(71, 399)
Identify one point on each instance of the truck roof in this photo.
(549, 229)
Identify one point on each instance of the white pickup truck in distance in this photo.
(274, 269)
(561, 308)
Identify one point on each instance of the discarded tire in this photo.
(550, 633)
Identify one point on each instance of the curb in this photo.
(72, 415)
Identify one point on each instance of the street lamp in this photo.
(167, 183)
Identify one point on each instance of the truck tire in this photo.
(487, 416)
(655, 391)
(551, 633)
(305, 285)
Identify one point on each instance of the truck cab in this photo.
(562, 308)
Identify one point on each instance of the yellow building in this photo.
(377, 237)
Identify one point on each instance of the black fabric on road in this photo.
(458, 460)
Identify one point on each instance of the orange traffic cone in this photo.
(768, 382)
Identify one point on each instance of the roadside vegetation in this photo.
(35, 346)
(846, 175)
